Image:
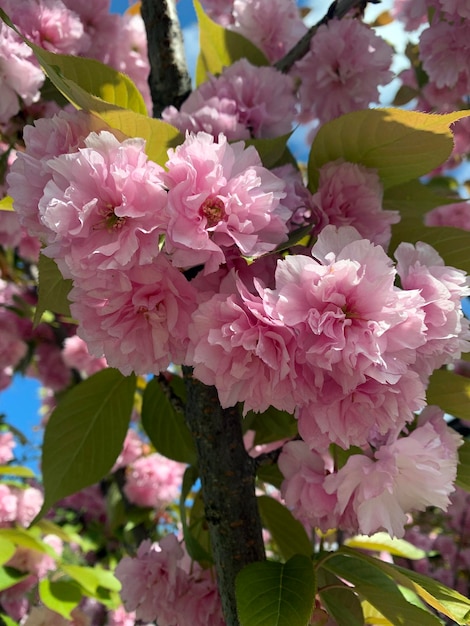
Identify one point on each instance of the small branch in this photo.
(228, 488)
(337, 11)
(169, 78)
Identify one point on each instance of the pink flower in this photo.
(444, 49)
(412, 13)
(274, 26)
(8, 505)
(455, 9)
(153, 481)
(304, 474)
(351, 195)
(19, 75)
(456, 215)
(220, 196)
(7, 443)
(30, 501)
(132, 449)
(136, 318)
(75, 355)
(104, 206)
(200, 606)
(346, 63)
(219, 10)
(153, 581)
(243, 101)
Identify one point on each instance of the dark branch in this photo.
(337, 11)
(169, 78)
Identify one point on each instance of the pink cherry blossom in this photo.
(153, 481)
(8, 505)
(104, 206)
(274, 26)
(19, 75)
(221, 11)
(136, 318)
(220, 196)
(243, 101)
(75, 355)
(132, 449)
(456, 215)
(200, 606)
(412, 13)
(30, 501)
(351, 194)
(7, 443)
(455, 9)
(341, 73)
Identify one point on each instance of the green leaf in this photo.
(272, 425)
(401, 145)
(382, 542)
(447, 601)
(7, 550)
(159, 135)
(27, 538)
(340, 600)
(53, 289)
(414, 199)
(270, 151)
(451, 392)
(219, 47)
(165, 425)
(6, 204)
(463, 468)
(276, 594)
(7, 621)
(16, 470)
(287, 532)
(60, 596)
(86, 83)
(451, 243)
(378, 589)
(85, 433)
(195, 550)
(91, 578)
(10, 576)
(270, 474)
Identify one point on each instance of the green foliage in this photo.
(9, 577)
(219, 47)
(7, 549)
(276, 594)
(271, 151)
(382, 542)
(85, 433)
(60, 596)
(463, 468)
(287, 532)
(272, 425)
(451, 392)
(53, 289)
(18, 471)
(6, 204)
(400, 145)
(339, 600)
(165, 425)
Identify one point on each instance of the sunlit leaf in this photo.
(276, 594)
(90, 578)
(6, 204)
(383, 542)
(60, 596)
(451, 392)
(85, 434)
(10, 577)
(287, 532)
(7, 550)
(401, 145)
(16, 470)
(53, 289)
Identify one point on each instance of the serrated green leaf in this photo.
(53, 289)
(91, 578)
(401, 145)
(85, 434)
(7, 550)
(463, 468)
(287, 532)
(276, 594)
(10, 576)
(378, 588)
(159, 135)
(16, 470)
(6, 204)
(447, 601)
(60, 596)
(165, 426)
(220, 47)
(383, 542)
(86, 83)
(451, 392)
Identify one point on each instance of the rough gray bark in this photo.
(227, 475)
(169, 79)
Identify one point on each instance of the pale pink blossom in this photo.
(200, 606)
(89, 503)
(444, 50)
(136, 318)
(132, 449)
(30, 501)
(456, 215)
(341, 73)
(120, 617)
(49, 366)
(7, 443)
(75, 355)
(350, 194)
(275, 26)
(221, 11)
(8, 505)
(153, 581)
(104, 206)
(304, 472)
(19, 75)
(153, 481)
(455, 9)
(413, 13)
(219, 197)
(243, 101)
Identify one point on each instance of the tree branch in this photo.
(169, 78)
(338, 9)
(227, 475)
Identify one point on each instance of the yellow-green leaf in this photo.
(401, 145)
(7, 550)
(221, 47)
(451, 392)
(6, 204)
(414, 199)
(287, 532)
(90, 578)
(463, 468)
(16, 470)
(61, 596)
(53, 289)
(382, 542)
